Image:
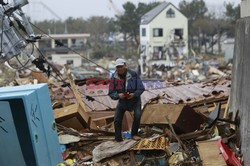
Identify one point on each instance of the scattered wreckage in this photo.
(181, 124)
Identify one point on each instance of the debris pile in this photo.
(175, 135)
(192, 69)
(179, 121)
(182, 123)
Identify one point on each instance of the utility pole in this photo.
(240, 88)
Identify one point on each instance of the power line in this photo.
(60, 76)
(56, 72)
(149, 90)
(62, 45)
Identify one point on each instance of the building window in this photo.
(170, 13)
(63, 41)
(157, 32)
(70, 62)
(143, 49)
(143, 32)
(158, 54)
(73, 42)
(61, 52)
(178, 33)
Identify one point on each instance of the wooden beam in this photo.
(65, 111)
(226, 109)
(82, 108)
(175, 135)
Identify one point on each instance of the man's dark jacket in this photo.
(131, 84)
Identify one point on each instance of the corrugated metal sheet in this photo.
(172, 93)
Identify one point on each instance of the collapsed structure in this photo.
(179, 121)
(163, 37)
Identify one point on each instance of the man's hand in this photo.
(122, 96)
(131, 96)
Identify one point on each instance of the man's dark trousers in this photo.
(121, 108)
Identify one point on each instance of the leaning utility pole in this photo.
(240, 96)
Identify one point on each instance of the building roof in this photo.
(178, 94)
(149, 16)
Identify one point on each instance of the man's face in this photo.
(121, 69)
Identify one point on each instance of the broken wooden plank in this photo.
(226, 109)
(193, 135)
(210, 154)
(70, 116)
(98, 138)
(107, 133)
(210, 101)
(66, 111)
(216, 71)
(101, 115)
(82, 109)
(183, 117)
(175, 135)
(63, 116)
(40, 77)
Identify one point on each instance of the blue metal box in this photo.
(28, 135)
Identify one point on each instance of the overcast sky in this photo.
(63, 9)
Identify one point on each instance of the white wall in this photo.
(168, 25)
(62, 59)
(245, 8)
(145, 39)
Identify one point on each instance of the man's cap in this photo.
(120, 62)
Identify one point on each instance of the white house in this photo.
(163, 36)
(69, 40)
(245, 8)
(73, 60)
(64, 55)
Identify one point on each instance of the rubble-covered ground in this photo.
(184, 122)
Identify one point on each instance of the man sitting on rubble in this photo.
(126, 86)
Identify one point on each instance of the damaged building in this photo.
(163, 36)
